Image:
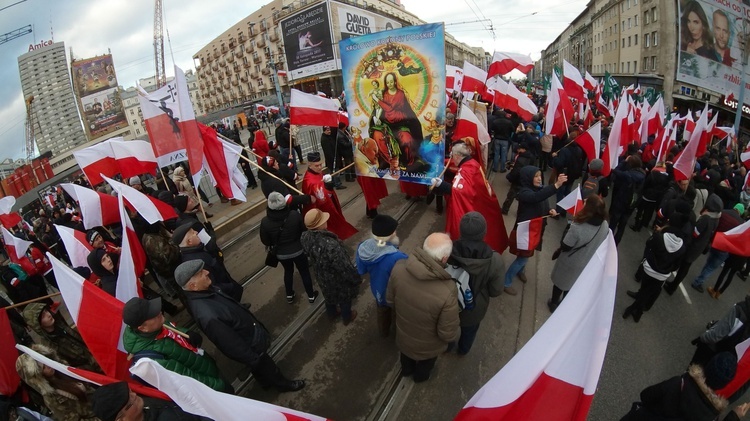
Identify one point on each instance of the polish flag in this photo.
(689, 126)
(667, 143)
(504, 63)
(684, 165)
(559, 367)
(573, 202)
(132, 259)
(134, 157)
(9, 379)
(735, 241)
(15, 245)
(588, 116)
(221, 161)
(469, 125)
(90, 376)
(95, 160)
(197, 398)
(590, 141)
(474, 79)
(76, 245)
(170, 122)
(529, 234)
(312, 110)
(707, 136)
(260, 107)
(656, 117)
(450, 77)
(559, 109)
(573, 82)
(499, 89)
(589, 82)
(97, 209)
(8, 218)
(614, 146)
(344, 118)
(98, 317)
(601, 105)
(150, 208)
(745, 158)
(458, 83)
(521, 103)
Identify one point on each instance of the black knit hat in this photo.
(473, 227)
(91, 236)
(181, 202)
(720, 370)
(107, 401)
(383, 226)
(313, 157)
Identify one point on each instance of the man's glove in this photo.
(195, 339)
(327, 178)
(436, 182)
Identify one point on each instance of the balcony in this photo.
(226, 85)
(221, 76)
(261, 43)
(223, 63)
(247, 65)
(224, 49)
(257, 59)
(235, 82)
(238, 53)
(213, 79)
(274, 37)
(236, 69)
(230, 58)
(216, 54)
(254, 75)
(232, 43)
(243, 79)
(242, 39)
(266, 71)
(215, 66)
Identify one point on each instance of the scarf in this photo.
(182, 341)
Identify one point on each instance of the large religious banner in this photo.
(709, 43)
(395, 90)
(95, 84)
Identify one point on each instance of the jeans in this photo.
(468, 334)
(515, 268)
(304, 271)
(713, 261)
(501, 154)
(346, 310)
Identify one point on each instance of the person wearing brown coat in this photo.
(425, 302)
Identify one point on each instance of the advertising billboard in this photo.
(95, 84)
(353, 21)
(709, 44)
(395, 90)
(308, 44)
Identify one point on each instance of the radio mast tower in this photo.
(161, 77)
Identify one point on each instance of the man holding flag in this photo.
(321, 189)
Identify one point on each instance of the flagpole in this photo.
(200, 203)
(171, 329)
(442, 173)
(164, 178)
(343, 169)
(567, 123)
(23, 303)
(266, 171)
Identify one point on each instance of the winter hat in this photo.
(678, 220)
(596, 164)
(714, 203)
(473, 226)
(276, 201)
(107, 401)
(94, 259)
(137, 310)
(179, 171)
(720, 370)
(180, 202)
(313, 157)
(314, 218)
(740, 208)
(91, 236)
(180, 232)
(187, 270)
(134, 180)
(166, 197)
(383, 226)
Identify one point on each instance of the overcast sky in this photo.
(126, 29)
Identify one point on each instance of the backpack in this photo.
(463, 284)
(591, 186)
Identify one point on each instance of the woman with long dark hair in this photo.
(695, 32)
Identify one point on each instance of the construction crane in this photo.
(161, 77)
(32, 124)
(17, 33)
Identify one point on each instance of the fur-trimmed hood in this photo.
(31, 372)
(696, 373)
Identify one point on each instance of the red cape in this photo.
(471, 192)
(414, 189)
(327, 201)
(373, 189)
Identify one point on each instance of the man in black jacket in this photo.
(231, 327)
(523, 159)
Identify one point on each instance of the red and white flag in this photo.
(560, 365)
(97, 209)
(133, 157)
(76, 245)
(591, 141)
(450, 77)
(473, 80)
(684, 165)
(9, 378)
(529, 234)
(689, 126)
(312, 110)
(344, 118)
(150, 208)
(132, 259)
(8, 218)
(503, 63)
(98, 317)
(14, 245)
(95, 160)
(499, 89)
(656, 117)
(589, 82)
(521, 103)
(573, 202)
(221, 161)
(197, 398)
(458, 83)
(573, 82)
(559, 109)
(742, 373)
(469, 125)
(614, 146)
(735, 241)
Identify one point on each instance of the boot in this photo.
(384, 321)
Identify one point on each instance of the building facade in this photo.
(46, 84)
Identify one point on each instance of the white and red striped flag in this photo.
(591, 141)
(97, 209)
(559, 109)
(221, 162)
(450, 77)
(76, 245)
(8, 218)
(573, 202)
(742, 373)
(9, 378)
(503, 63)
(98, 317)
(684, 165)
(312, 110)
(132, 259)
(735, 241)
(520, 103)
(133, 157)
(95, 160)
(573, 82)
(656, 117)
(499, 89)
(469, 125)
(150, 208)
(529, 234)
(344, 118)
(744, 157)
(589, 82)
(559, 366)
(473, 80)
(614, 142)
(15, 245)
(197, 398)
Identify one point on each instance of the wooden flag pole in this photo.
(171, 329)
(33, 300)
(342, 170)
(442, 173)
(265, 171)
(200, 203)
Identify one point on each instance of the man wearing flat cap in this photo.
(231, 327)
(116, 402)
(147, 336)
(320, 188)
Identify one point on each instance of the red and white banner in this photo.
(684, 165)
(221, 162)
(76, 245)
(15, 245)
(614, 147)
(573, 202)
(573, 82)
(735, 241)
(9, 379)
(559, 366)
(559, 109)
(742, 373)
(134, 157)
(469, 125)
(450, 77)
(97, 209)
(197, 398)
(95, 160)
(499, 89)
(312, 110)
(589, 82)
(150, 208)
(529, 234)
(98, 317)
(503, 63)
(8, 218)
(520, 103)
(474, 79)
(132, 259)
(591, 141)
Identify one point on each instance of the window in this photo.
(628, 4)
(653, 63)
(628, 67)
(623, 25)
(629, 23)
(645, 18)
(635, 2)
(622, 67)
(655, 36)
(648, 40)
(653, 14)
(635, 66)
(636, 20)
(615, 28)
(635, 40)
(623, 42)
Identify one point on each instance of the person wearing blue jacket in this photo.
(377, 256)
